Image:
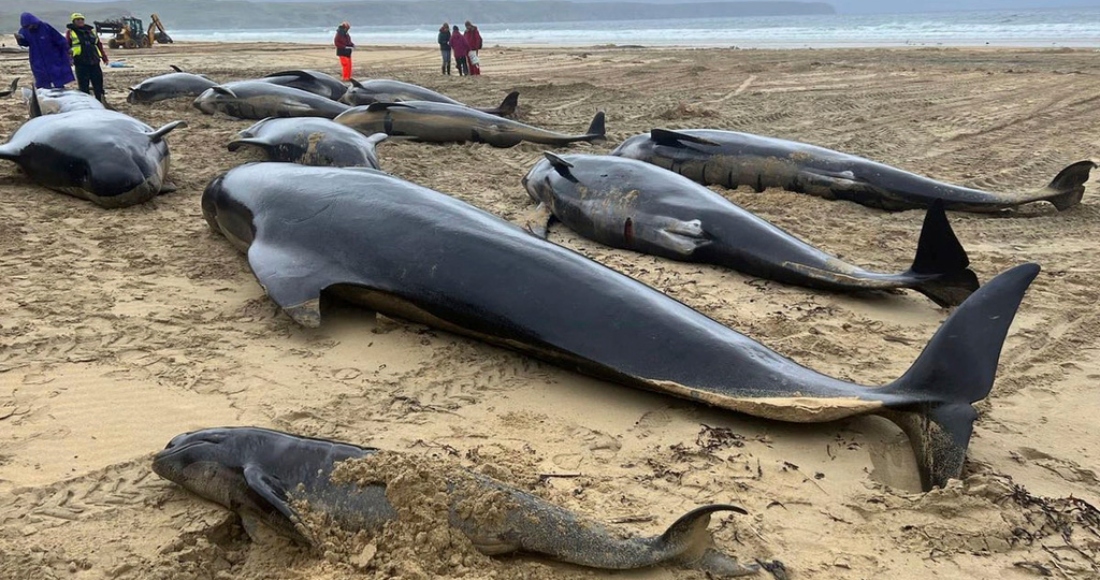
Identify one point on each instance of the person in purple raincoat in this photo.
(49, 52)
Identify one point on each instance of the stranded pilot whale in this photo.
(446, 123)
(311, 141)
(260, 474)
(311, 81)
(260, 100)
(412, 252)
(103, 156)
(391, 91)
(630, 204)
(169, 86)
(733, 159)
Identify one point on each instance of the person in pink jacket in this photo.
(461, 49)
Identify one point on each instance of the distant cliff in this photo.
(236, 14)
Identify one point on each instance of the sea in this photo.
(1051, 28)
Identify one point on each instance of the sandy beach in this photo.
(122, 328)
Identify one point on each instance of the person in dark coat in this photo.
(87, 51)
(461, 49)
(344, 46)
(49, 52)
(445, 47)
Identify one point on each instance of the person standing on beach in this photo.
(87, 50)
(344, 45)
(48, 52)
(473, 39)
(461, 50)
(445, 47)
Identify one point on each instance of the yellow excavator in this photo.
(157, 31)
(129, 32)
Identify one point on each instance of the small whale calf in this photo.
(260, 474)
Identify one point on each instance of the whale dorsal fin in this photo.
(383, 106)
(666, 137)
(290, 73)
(356, 83)
(34, 106)
(223, 91)
(12, 89)
(175, 68)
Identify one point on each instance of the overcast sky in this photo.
(855, 6)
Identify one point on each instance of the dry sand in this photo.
(122, 328)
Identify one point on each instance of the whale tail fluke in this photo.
(941, 257)
(688, 543)
(932, 401)
(1068, 187)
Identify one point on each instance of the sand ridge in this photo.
(121, 328)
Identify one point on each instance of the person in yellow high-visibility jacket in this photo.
(87, 51)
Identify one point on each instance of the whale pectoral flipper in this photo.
(538, 220)
(810, 179)
(159, 134)
(224, 91)
(292, 277)
(682, 237)
(238, 143)
(558, 163)
(271, 495)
